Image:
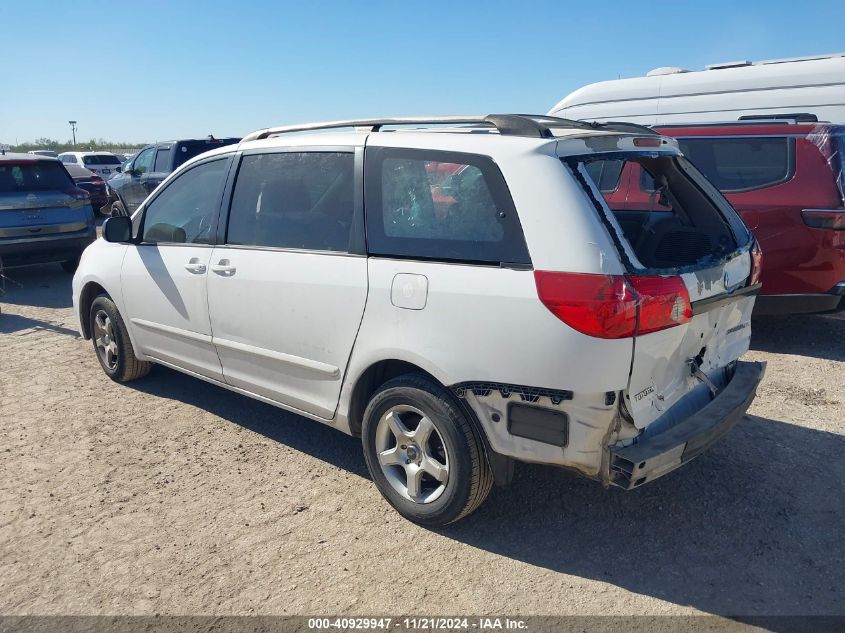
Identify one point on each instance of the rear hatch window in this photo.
(35, 176)
(101, 160)
(675, 220)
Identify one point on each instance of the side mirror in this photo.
(118, 229)
(118, 169)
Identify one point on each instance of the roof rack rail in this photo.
(798, 117)
(529, 125)
(768, 120)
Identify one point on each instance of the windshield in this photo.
(27, 177)
(667, 212)
(101, 159)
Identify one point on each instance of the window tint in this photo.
(100, 159)
(144, 161)
(184, 211)
(162, 162)
(294, 200)
(440, 205)
(46, 176)
(738, 164)
(605, 173)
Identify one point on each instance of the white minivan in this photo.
(455, 291)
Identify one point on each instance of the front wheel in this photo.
(112, 344)
(423, 453)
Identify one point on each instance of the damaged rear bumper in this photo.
(631, 466)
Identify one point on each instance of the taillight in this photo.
(663, 302)
(614, 306)
(756, 263)
(97, 179)
(824, 218)
(76, 193)
(598, 305)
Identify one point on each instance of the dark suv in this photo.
(44, 216)
(149, 167)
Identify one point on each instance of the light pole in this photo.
(73, 129)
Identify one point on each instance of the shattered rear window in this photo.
(680, 220)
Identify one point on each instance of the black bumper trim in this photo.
(634, 465)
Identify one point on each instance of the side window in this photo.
(162, 162)
(144, 161)
(294, 200)
(741, 163)
(184, 211)
(440, 205)
(605, 173)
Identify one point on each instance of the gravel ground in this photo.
(169, 495)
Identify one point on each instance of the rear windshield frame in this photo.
(608, 219)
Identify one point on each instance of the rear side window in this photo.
(741, 164)
(162, 162)
(440, 205)
(605, 173)
(46, 176)
(300, 200)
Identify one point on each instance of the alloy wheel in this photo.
(412, 454)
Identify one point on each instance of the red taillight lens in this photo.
(756, 263)
(824, 219)
(663, 301)
(76, 193)
(598, 305)
(607, 306)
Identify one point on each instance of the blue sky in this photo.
(146, 71)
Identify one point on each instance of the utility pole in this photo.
(73, 129)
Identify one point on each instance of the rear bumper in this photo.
(830, 301)
(46, 248)
(634, 465)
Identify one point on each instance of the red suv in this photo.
(786, 180)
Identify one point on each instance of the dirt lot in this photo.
(172, 496)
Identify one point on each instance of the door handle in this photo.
(223, 268)
(194, 266)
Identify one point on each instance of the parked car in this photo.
(517, 318)
(90, 182)
(43, 152)
(722, 92)
(104, 164)
(786, 180)
(148, 168)
(44, 217)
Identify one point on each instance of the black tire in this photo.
(125, 365)
(70, 265)
(469, 475)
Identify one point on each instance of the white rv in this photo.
(721, 92)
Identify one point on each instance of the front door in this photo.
(286, 291)
(164, 275)
(133, 192)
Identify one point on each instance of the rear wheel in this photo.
(423, 454)
(112, 344)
